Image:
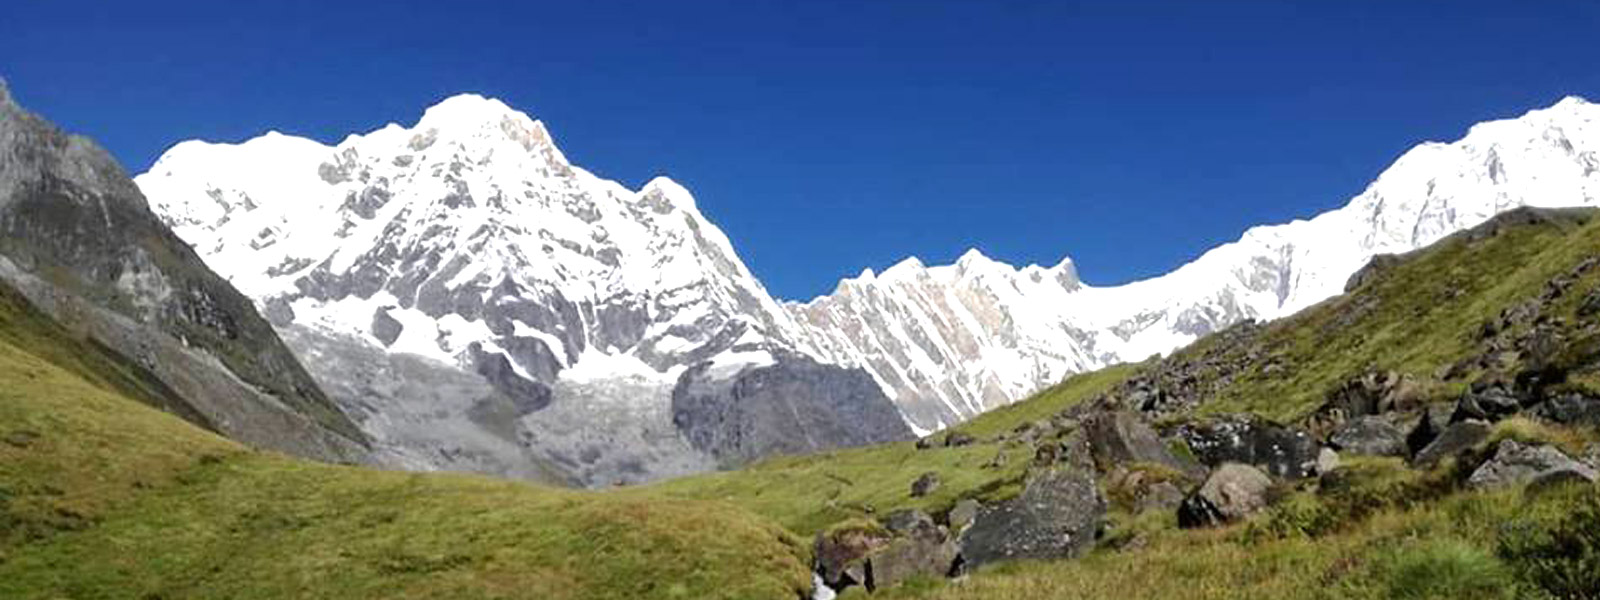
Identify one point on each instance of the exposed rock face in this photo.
(1515, 463)
(789, 406)
(1232, 492)
(79, 241)
(1487, 403)
(1056, 516)
(1281, 450)
(1370, 436)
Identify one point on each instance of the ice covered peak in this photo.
(910, 267)
(664, 194)
(972, 257)
(465, 111)
(1572, 102)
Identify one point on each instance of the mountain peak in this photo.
(1572, 102)
(468, 110)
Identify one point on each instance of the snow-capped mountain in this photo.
(479, 302)
(951, 341)
(470, 240)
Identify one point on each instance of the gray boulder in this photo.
(1454, 440)
(1124, 438)
(962, 514)
(1571, 409)
(925, 484)
(1515, 463)
(842, 555)
(1278, 449)
(1370, 436)
(1056, 516)
(1432, 422)
(1487, 402)
(1232, 492)
(922, 548)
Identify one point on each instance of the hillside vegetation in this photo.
(104, 496)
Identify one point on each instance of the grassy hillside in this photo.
(103, 497)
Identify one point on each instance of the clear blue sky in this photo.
(827, 136)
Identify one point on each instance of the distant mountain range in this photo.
(475, 301)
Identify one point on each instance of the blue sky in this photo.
(828, 136)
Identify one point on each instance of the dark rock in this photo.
(1280, 450)
(1232, 492)
(793, 406)
(925, 484)
(1433, 421)
(1487, 402)
(1570, 409)
(1516, 463)
(1370, 436)
(528, 395)
(385, 327)
(1454, 440)
(1056, 516)
(21, 438)
(926, 442)
(959, 438)
(1124, 438)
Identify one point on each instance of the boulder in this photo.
(1232, 492)
(1280, 450)
(842, 554)
(1487, 402)
(1327, 460)
(923, 548)
(962, 514)
(1057, 515)
(905, 520)
(1454, 440)
(925, 484)
(1570, 409)
(1515, 463)
(1122, 438)
(1433, 421)
(959, 438)
(1370, 436)
(1160, 496)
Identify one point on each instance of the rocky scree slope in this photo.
(78, 240)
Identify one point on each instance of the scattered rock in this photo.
(1517, 463)
(1570, 409)
(1124, 438)
(1454, 440)
(1433, 421)
(923, 549)
(925, 484)
(904, 520)
(1487, 402)
(1056, 516)
(926, 442)
(1327, 461)
(999, 461)
(1161, 496)
(385, 327)
(962, 515)
(21, 438)
(842, 554)
(1232, 492)
(1369, 436)
(959, 438)
(1280, 450)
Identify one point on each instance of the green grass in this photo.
(1046, 403)
(104, 497)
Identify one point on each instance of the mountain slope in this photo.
(563, 317)
(78, 240)
(953, 341)
(470, 239)
(103, 497)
